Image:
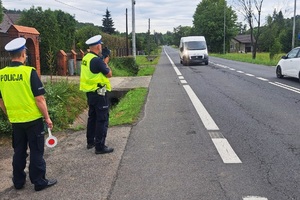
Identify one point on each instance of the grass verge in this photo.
(128, 109)
(261, 58)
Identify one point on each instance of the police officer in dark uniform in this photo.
(94, 81)
(22, 100)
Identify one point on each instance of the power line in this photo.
(77, 8)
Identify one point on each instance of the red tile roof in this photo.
(25, 29)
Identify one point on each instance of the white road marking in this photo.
(180, 77)
(262, 79)
(183, 81)
(254, 198)
(177, 71)
(296, 90)
(225, 150)
(207, 120)
(286, 87)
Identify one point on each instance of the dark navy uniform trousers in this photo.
(29, 134)
(98, 119)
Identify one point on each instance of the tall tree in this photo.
(252, 16)
(84, 33)
(181, 31)
(52, 32)
(209, 22)
(107, 23)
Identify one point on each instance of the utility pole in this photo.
(224, 42)
(133, 30)
(294, 22)
(149, 37)
(127, 51)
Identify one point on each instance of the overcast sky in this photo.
(164, 15)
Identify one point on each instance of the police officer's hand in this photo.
(106, 59)
(49, 123)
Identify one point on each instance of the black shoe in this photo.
(89, 146)
(104, 150)
(50, 183)
(19, 187)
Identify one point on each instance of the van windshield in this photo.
(195, 45)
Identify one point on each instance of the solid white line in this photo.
(286, 87)
(223, 147)
(225, 150)
(174, 66)
(207, 120)
(183, 81)
(254, 198)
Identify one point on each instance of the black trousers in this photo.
(98, 119)
(29, 134)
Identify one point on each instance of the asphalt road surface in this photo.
(223, 131)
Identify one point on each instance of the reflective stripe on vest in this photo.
(17, 95)
(88, 80)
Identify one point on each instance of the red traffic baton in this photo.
(51, 141)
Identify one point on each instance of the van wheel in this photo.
(184, 62)
(206, 62)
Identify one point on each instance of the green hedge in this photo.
(124, 66)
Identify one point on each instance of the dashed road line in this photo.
(262, 79)
(222, 145)
(281, 85)
(254, 198)
(183, 81)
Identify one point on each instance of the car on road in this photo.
(289, 64)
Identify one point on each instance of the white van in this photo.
(193, 49)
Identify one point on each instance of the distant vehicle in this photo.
(289, 65)
(193, 49)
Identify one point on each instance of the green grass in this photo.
(261, 58)
(146, 71)
(128, 109)
(146, 67)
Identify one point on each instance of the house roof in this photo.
(25, 29)
(5, 24)
(14, 17)
(243, 38)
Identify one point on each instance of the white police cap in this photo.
(94, 40)
(15, 45)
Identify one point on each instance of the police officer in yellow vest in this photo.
(22, 100)
(94, 81)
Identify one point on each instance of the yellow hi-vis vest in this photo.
(17, 95)
(88, 80)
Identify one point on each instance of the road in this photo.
(225, 131)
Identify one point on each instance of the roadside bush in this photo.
(125, 64)
(65, 102)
